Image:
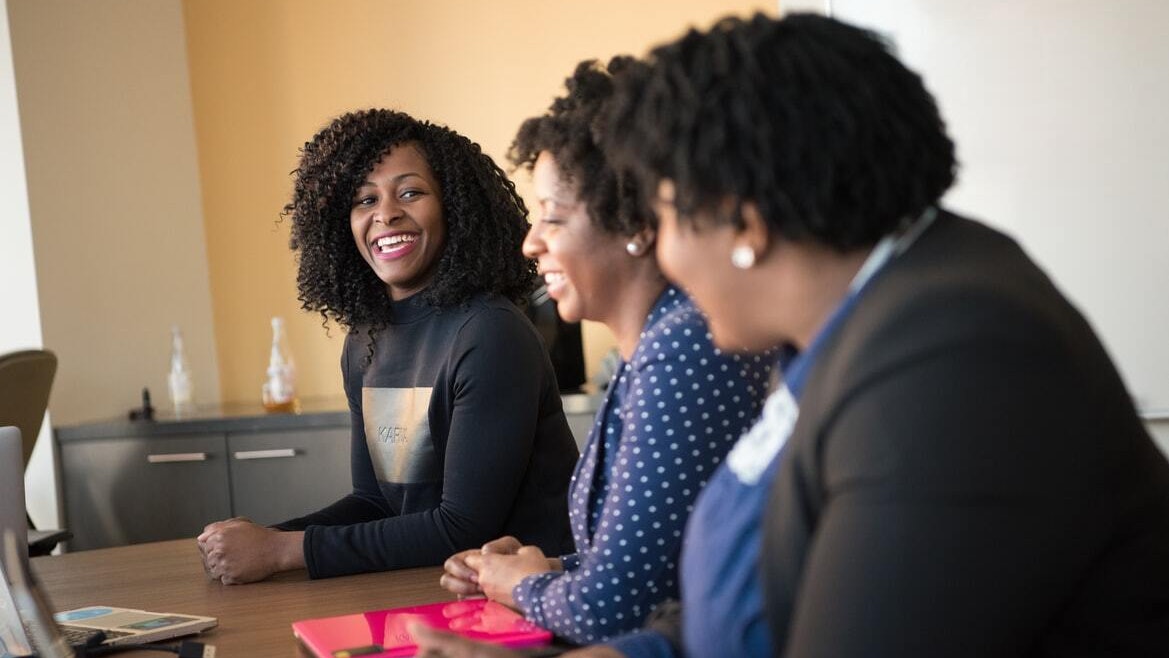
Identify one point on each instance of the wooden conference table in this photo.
(254, 620)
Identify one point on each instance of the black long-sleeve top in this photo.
(459, 437)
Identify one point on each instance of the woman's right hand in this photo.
(459, 578)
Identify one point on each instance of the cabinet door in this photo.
(276, 476)
(134, 490)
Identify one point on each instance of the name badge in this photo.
(759, 446)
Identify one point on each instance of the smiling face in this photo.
(398, 223)
(582, 265)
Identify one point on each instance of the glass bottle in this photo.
(279, 391)
(179, 380)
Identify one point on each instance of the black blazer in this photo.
(968, 476)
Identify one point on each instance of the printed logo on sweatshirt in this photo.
(391, 434)
(397, 433)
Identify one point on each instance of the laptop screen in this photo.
(12, 514)
(13, 640)
(32, 606)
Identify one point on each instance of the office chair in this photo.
(26, 378)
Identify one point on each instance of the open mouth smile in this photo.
(393, 245)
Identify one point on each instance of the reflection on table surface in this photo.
(254, 620)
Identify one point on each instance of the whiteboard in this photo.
(1060, 112)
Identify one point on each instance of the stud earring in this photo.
(743, 257)
(633, 248)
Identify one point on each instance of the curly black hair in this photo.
(486, 219)
(572, 131)
(813, 120)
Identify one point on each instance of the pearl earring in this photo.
(743, 257)
(633, 248)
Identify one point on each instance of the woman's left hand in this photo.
(499, 574)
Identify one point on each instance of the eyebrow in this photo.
(396, 179)
(558, 200)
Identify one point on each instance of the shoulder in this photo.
(356, 338)
(355, 359)
(494, 328)
(678, 333)
(963, 308)
(677, 355)
(491, 317)
(961, 283)
(355, 350)
(677, 329)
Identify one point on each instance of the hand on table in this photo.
(497, 574)
(458, 578)
(239, 551)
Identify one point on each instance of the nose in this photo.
(387, 210)
(534, 242)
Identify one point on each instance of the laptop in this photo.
(12, 512)
(26, 620)
(384, 634)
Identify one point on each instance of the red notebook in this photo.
(383, 632)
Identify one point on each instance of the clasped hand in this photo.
(238, 551)
(495, 569)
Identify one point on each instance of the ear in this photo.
(647, 236)
(755, 233)
(642, 242)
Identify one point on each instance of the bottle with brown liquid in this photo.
(279, 391)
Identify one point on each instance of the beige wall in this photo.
(113, 188)
(266, 74)
(137, 224)
(21, 328)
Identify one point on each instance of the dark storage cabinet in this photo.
(128, 483)
(129, 490)
(132, 482)
(276, 476)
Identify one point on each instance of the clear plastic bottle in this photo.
(279, 391)
(179, 381)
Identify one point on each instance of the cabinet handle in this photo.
(177, 457)
(265, 454)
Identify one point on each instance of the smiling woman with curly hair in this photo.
(409, 236)
(485, 220)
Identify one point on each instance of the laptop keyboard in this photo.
(78, 637)
(74, 636)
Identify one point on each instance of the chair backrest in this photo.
(26, 378)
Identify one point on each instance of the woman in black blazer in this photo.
(967, 475)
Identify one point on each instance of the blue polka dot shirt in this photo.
(669, 417)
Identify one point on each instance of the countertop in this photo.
(242, 417)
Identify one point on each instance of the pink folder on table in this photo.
(383, 632)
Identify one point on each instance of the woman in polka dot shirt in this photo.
(672, 410)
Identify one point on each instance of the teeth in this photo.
(552, 278)
(389, 242)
